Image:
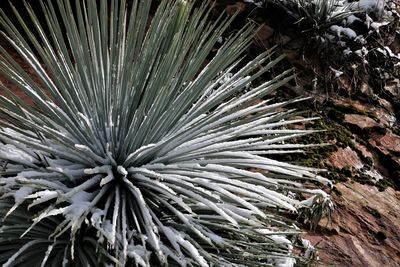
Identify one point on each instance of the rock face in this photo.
(345, 157)
(393, 87)
(361, 118)
(363, 122)
(386, 143)
(365, 229)
(264, 34)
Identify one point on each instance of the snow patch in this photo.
(21, 194)
(374, 174)
(14, 154)
(339, 31)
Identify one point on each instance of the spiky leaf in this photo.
(136, 138)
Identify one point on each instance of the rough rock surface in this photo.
(361, 121)
(393, 87)
(345, 157)
(264, 34)
(365, 228)
(386, 143)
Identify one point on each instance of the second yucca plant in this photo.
(134, 152)
(317, 14)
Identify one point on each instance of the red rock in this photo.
(238, 7)
(369, 223)
(364, 151)
(354, 104)
(385, 119)
(345, 84)
(395, 45)
(264, 34)
(362, 121)
(382, 114)
(386, 104)
(366, 89)
(345, 158)
(387, 143)
(393, 87)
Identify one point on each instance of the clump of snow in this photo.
(79, 205)
(337, 73)
(360, 39)
(107, 230)
(11, 153)
(96, 218)
(226, 78)
(278, 239)
(138, 253)
(42, 196)
(319, 200)
(386, 51)
(256, 3)
(374, 174)
(285, 262)
(362, 53)
(21, 194)
(347, 51)
(372, 6)
(310, 249)
(339, 31)
(373, 14)
(282, 240)
(351, 19)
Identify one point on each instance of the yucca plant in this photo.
(317, 14)
(134, 152)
